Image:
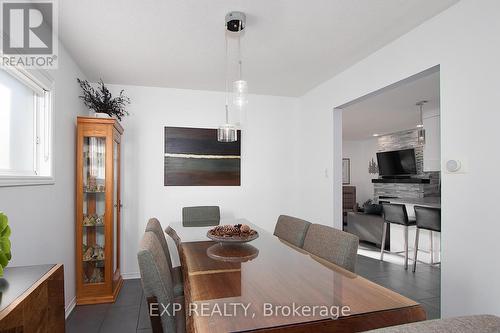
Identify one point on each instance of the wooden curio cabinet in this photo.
(98, 210)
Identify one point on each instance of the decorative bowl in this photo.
(233, 239)
(238, 233)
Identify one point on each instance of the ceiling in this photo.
(392, 110)
(289, 46)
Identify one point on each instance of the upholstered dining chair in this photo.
(176, 272)
(465, 324)
(396, 214)
(200, 216)
(336, 246)
(157, 285)
(427, 218)
(291, 229)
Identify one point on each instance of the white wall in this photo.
(268, 168)
(361, 152)
(465, 41)
(42, 218)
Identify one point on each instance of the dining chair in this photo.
(396, 214)
(291, 229)
(428, 218)
(157, 286)
(176, 272)
(464, 324)
(200, 216)
(336, 246)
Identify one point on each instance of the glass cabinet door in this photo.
(116, 205)
(94, 206)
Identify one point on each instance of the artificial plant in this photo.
(101, 100)
(5, 254)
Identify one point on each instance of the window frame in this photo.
(42, 83)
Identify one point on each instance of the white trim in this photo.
(26, 180)
(71, 306)
(27, 78)
(128, 276)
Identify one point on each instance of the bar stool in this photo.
(396, 214)
(428, 218)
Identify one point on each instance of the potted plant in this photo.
(100, 100)
(5, 253)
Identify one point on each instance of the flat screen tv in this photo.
(397, 163)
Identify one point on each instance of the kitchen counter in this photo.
(434, 202)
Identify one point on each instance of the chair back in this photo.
(291, 229)
(155, 227)
(156, 277)
(428, 218)
(200, 216)
(336, 246)
(395, 213)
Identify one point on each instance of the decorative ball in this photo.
(245, 228)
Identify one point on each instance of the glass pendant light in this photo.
(240, 91)
(240, 86)
(228, 132)
(421, 130)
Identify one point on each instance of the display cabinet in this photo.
(98, 210)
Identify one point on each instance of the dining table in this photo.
(269, 285)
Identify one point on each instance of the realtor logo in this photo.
(29, 34)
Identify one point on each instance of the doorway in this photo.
(390, 153)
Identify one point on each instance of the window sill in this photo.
(7, 181)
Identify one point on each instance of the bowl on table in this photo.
(232, 234)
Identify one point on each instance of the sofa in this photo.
(368, 227)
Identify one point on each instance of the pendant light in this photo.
(235, 23)
(240, 86)
(420, 126)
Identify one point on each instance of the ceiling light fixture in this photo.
(420, 126)
(240, 86)
(235, 23)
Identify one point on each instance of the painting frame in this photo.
(194, 157)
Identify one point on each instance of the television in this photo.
(397, 163)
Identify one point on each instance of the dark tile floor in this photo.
(423, 286)
(127, 315)
(130, 313)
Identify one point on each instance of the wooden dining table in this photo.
(268, 285)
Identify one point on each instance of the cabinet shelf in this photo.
(93, 260)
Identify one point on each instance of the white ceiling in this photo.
(392, 110)
(289, 47)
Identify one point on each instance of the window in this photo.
(25, 128)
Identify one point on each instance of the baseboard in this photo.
(70, 307)
(128, 276)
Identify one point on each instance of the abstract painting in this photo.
(194, 157)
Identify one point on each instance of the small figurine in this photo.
(86, 220)
(99, 220)
(89, 253)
